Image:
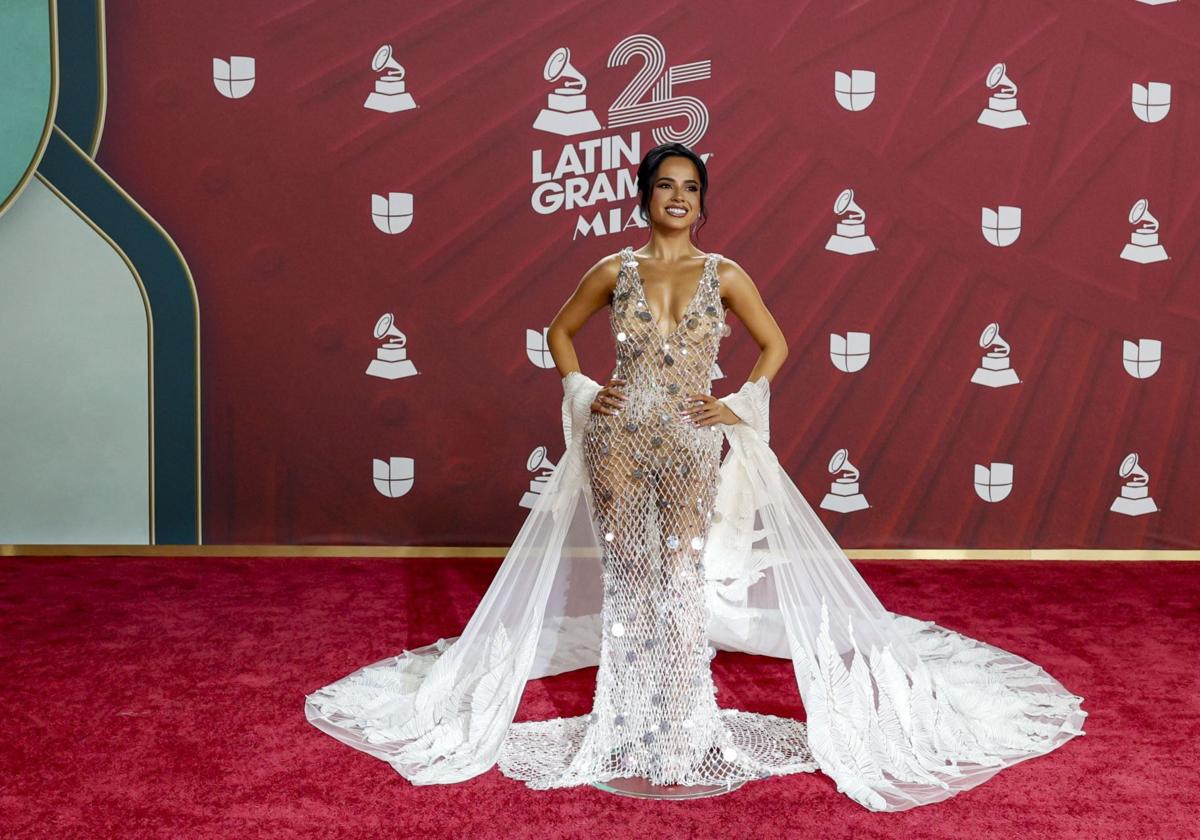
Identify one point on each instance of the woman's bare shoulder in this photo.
(604, 272)
(731, 272)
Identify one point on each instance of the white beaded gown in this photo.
(646, 553)
(653, 480)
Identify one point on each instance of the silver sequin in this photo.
(672, 542)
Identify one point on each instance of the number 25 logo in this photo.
(632, 107)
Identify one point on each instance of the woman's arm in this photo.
(593, 293)
(742, 298)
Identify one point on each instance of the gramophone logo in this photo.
(1156, 2)
(851, 352)
(392, 213)
(566, 110)
(994, 370)
(1151, 101)
(390, 94)
(393, 477)
(1134, 499)
(1143, 246)
(542, 468)
(1143, 359)
(854, 91)
(993, 483)
(1002, 110)
(391, 359)
(537, 347)
(234, 78)
(851, 234)
(844, 495)
(1001, 226)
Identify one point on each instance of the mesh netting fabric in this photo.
(653, 479)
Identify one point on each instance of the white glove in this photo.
(579, 392)
(752, 403)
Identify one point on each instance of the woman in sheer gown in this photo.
(646, 553)
(652, 453)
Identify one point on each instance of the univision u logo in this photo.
(392, 213)
(234, 78)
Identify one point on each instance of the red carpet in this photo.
(164, 698)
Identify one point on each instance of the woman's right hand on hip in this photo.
(609, 399)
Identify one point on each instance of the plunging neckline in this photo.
(687, 310)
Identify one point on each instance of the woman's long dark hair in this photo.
(648, 171)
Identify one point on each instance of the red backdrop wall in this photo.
(268, 197)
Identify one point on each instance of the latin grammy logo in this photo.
(393, 477)
(1001, 226)
(856, 91)
(392, 213)
(391, 359)
(1156, 2)
(234, 78)
(537, 348)
(1002, 110)
(993, 483)
(1143, 359)
(851, 236)
(540, 464)
(390, 94)
(851, 352)
(1135, 497)
(1143, 246)
(566, 110)
(994, 370)
(844, 495)
(1151, 101)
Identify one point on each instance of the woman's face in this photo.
(675, 194)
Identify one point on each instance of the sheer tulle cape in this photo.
(900, 712)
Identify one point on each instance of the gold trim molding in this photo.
(394, 551)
